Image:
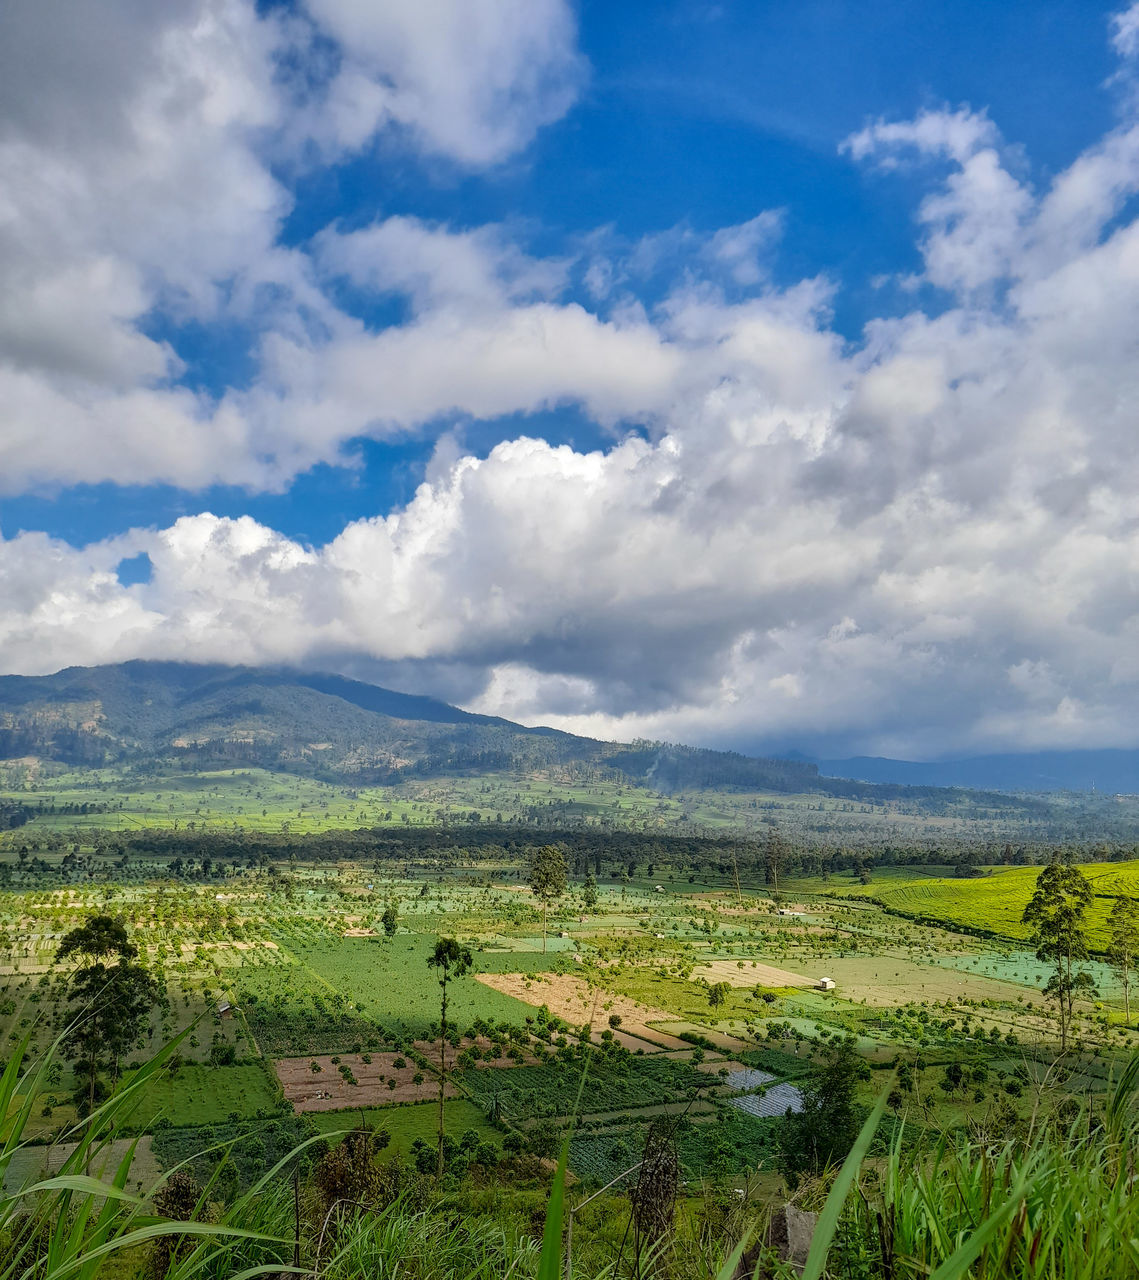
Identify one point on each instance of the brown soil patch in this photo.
(575, 1001)
(761, 975)
(359, 933)
(327, 1089)
(493, 1055)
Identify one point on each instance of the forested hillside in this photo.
(332, 728)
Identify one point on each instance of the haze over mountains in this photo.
(1115, 771)
(144, 713)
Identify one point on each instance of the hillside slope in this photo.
(328, 726)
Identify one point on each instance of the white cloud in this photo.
(926, 540)
(137, 192)
(957, 135)
(471, 80)
(1125, 31)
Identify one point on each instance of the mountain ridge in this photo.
(1111, 770)
(325, 724)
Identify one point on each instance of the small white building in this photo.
(658, 888)
(826, 984)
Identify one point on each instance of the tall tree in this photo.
(548, 877)
(1056, 913)
(452, 961)
(1123, 925)
(112, 997)
(776, 856)
(822, 1133)
(390, 920)
(589, 892)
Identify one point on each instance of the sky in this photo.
(752, 375)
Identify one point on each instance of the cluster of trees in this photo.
(765, 858)
(14, 815)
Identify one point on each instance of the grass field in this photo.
(200, 1095)
(416, 1120)
(996, 902)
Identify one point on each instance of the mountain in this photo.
(1110, 771)
(152, 714)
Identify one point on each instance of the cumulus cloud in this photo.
(472, 80)
(926, 540)
(139, 148)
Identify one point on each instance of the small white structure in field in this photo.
(658, 888)
(786, 911)
(826, 984)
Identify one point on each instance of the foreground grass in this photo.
(1052, 1201)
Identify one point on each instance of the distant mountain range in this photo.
(152, 715)
(1113, 772)
(156, 714)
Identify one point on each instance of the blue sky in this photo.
(753, 374)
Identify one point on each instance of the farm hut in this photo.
(225, 1009)
(786, 911)
(658, 888)
(826, 984)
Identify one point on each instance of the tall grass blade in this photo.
(549, 1264)
(832, 1210)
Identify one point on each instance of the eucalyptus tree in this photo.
(1123, 926)
(112, 996)
(549, 875)
(452, 960)
(1056, 915)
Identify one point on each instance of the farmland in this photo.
(995, 902)
(301, 990)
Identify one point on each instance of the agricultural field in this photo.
(302, 1011)
(994, 902)
(122, 800)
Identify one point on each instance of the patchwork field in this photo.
(270, 971)
(750, 973)
(995, 902)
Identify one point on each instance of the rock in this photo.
(789, 1235)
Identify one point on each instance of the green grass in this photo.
(996, 902)
(201, 1095)
(415, 1120)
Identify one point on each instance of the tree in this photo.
(776, 855)
(718, 993)
(822, 1133)
(548, 878)
(453, 961)
(1123, 926)
(1056, 914)
(113, 997)
(390, 920)
(589, 892)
